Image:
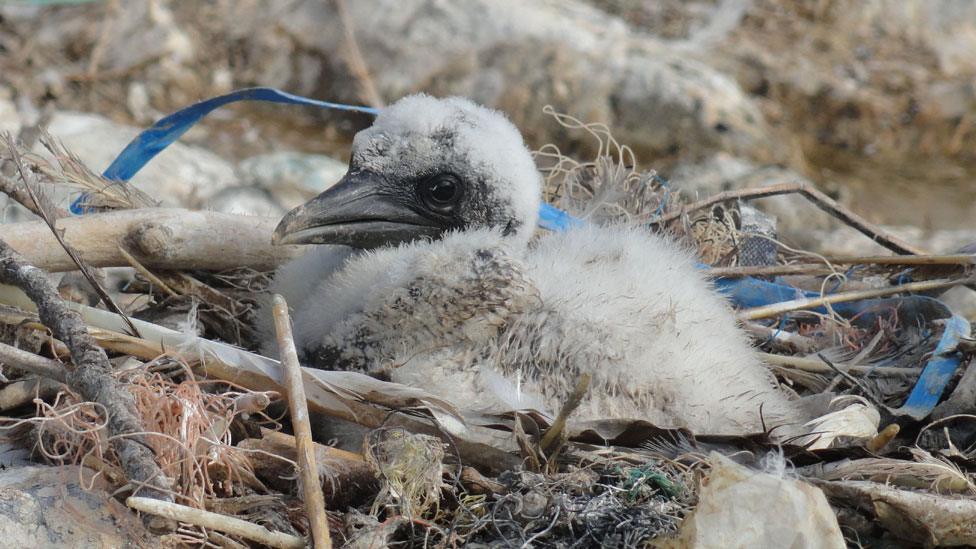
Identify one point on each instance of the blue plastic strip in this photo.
(938, 372)
(744, 292)
(554, 219)
(163, 133)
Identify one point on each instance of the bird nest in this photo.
(209, 416)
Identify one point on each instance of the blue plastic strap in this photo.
(554, 219)
(938, 372)
(163, 133)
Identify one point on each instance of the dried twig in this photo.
(769, 270)
(29, 362)
(820, 367)
(223, 523)
(354, 58)
(950, 259)
(297, 404)
(25, 390)
(345, 477)
(152, 278)
(554, 431)
(91, 375)
(822, 269)
(809, 303)
(822, 201)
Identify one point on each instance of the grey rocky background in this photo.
(872, 100)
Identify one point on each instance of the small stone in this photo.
(246, 200)
(47, 507)
(291, 177)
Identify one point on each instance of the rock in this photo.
(182, 175)
(846, 241)
(291, 177)
(246, 200)
(739, 507)
(520, 56)
(9, 118)
(12, 212)
(13, 455)
(853, 75)
(144, 33)
(47, 507)
(676, 105)
(696, 180)
(962, 301)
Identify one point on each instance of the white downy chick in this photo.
(447, 293)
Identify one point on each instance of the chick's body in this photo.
(452, 296)
(472, 320)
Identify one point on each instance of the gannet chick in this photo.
(452, 296)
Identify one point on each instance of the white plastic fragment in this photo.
(740, 507)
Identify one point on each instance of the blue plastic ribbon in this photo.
(163, 133)
(554, 219)
(744, 292)
(938, 371)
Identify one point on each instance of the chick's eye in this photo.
(440, 193)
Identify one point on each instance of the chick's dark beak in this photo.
(360, 211)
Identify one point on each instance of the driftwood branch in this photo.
(160, 238)
(91, 376)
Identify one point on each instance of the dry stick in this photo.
(820, 268)
(153, 279)
(768, 270)
(297, 405)
(949, 259)
(29, 362)
(572, 403)
(91, 375)
(819, 367)
(22, 391)
(822, 201)
(216, 521)
(12, 188)
(354, 57)
(160, 238)
(809, 303)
